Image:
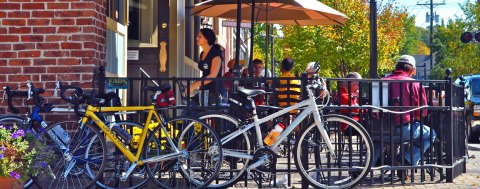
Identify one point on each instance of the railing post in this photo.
(304, 82)
(449, 126)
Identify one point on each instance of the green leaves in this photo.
(344, 49)
(450, 52)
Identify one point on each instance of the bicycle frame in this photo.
(310, 108)
(34, 116)
(134, 158)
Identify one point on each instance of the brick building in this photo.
(69, 40)
(48, 40)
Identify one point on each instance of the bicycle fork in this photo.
(323, 132)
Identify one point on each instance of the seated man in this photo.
(410, 96)
(287, 91)
(259, 72)
(285, 99)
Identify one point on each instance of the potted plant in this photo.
(23, 153)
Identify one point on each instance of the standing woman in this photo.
(211, 62)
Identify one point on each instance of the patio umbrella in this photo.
(286, 12)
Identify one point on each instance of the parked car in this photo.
(472, 105)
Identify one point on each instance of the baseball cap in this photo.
(407, 59)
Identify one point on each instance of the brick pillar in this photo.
(49, 40)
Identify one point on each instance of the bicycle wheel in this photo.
(76, 166)
(353, 154)
(117, 164)
(233, 168)
(13, 120)
(201, 154)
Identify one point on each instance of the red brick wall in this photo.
(49, 40)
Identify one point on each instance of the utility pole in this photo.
(432, 17)
(373, 39)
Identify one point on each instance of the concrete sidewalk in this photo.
(471, 179)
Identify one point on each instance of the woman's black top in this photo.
(205, 66)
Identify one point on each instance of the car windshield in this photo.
(475, 87)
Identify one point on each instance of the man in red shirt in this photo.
(409, 94)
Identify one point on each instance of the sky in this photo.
(450, 10)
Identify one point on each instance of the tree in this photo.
(416, 38)
(342, 49)
(259, 44)
(462, 58)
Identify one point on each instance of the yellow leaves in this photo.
(423, 49)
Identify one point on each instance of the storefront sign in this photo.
(117, 83)
(132, 54)
(233, 24)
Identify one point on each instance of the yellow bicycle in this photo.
(190, 158)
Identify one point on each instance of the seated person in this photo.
(259, 72)
(410, 91)
(312, 69)
(288, 91)
(294, 85)
(230, 73)
(349, 99)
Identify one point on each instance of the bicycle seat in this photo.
(250, 92)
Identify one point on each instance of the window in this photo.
(115, 54)
(475, 87)
(143, 23)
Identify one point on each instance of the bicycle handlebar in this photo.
(80, 97)
(7, 92)
(37, 99)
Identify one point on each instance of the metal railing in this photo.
(443, 161)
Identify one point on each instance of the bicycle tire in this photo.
(117, 164)
(167, 173)
(356, 168)
(230, 173)
(79, 175)
(12, 119)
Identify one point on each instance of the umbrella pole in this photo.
(252, 33)
(267, 32)
(237, 41)
(273, 51)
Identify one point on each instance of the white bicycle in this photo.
(325, 156)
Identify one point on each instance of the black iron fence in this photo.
(443, 114)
